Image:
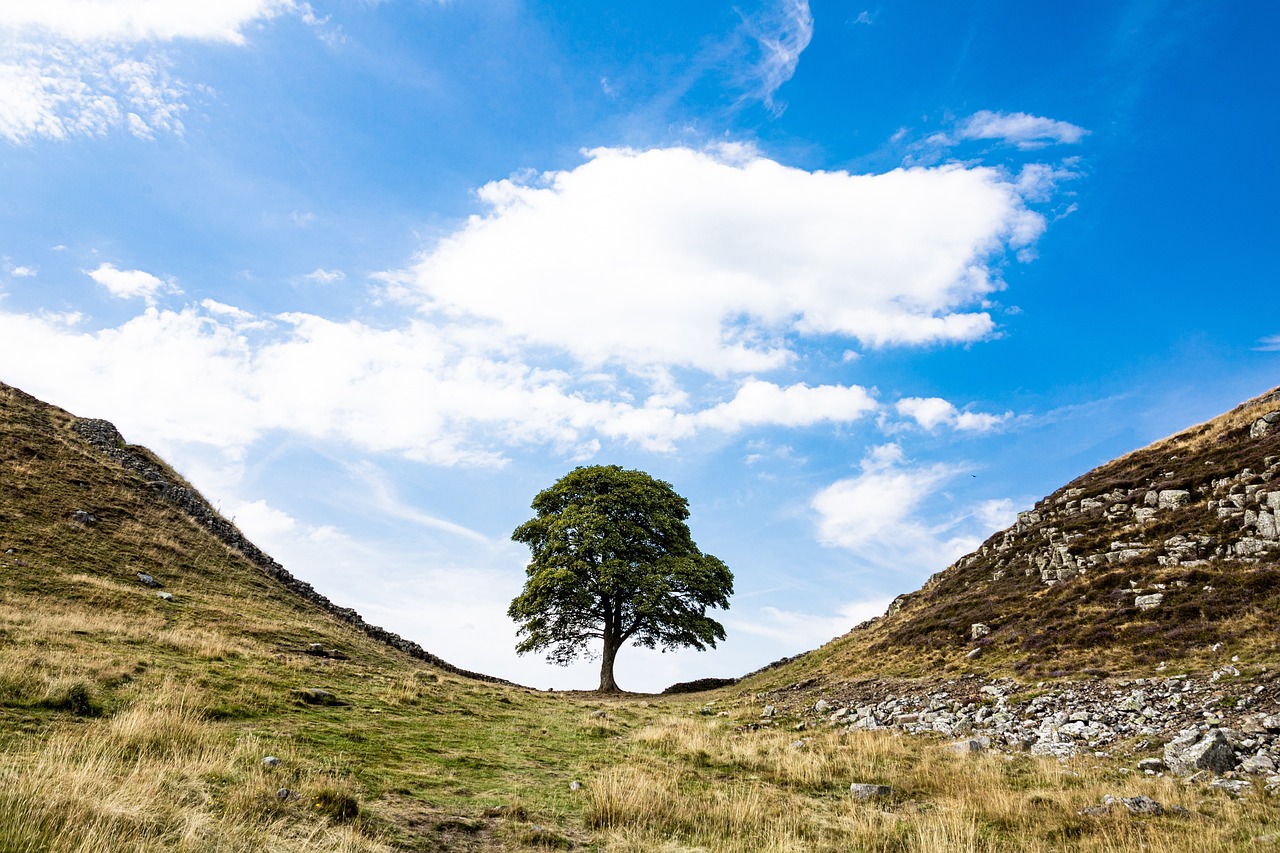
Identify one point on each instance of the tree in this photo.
(613, 560)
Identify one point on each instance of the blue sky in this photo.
(860, 281)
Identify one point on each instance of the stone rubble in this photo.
(1226, 727)
(1046, 540)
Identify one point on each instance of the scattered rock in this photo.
(1234, 787)
(317, 696)
(1142, 805)
(164, 596)
(1152, 765)
(271, 761)
(575, 785)
(865, 791)
(978, 630)
(147, 580)
(821, 706)
(599, 715)
(85, 518)
(1149, 602)
(1191, 751)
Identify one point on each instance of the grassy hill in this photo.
(139, 713)
(1164, 557)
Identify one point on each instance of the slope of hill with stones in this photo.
(1168, 556)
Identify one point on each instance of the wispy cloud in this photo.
(1020, 129)
(130, 284)
(880, 513)
(933, 412)
(72, 68)
(781, 34)
(324, 276)
(1268, 344)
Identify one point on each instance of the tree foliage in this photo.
(613, 560)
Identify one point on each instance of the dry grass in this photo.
(705, 787)
(159, 777)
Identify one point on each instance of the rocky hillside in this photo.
(1166, 557)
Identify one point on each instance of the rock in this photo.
(865, 791)
(270, 761)
(769, 711)
(1061, 749)
(1261, 764)
(1262, 426)
(1142, 805)
(1266, 525)
(1234, 787)
(974, 653)
(575, 785)
(1152, 765)
(164, 596)
(82, 517)
(1190, 752)
(284, 794)
(798, 744)
(821, 706)
(317, 696)
(978, 630)
(1271, 722)
(599, 715)
(969, 745)
(1149, 602)
(147, 580)
(1172, 498)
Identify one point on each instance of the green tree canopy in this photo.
(613, 560)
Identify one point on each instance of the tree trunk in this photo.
(607, 684)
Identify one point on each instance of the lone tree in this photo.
(613, 560)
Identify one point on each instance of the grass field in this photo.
(132, 723)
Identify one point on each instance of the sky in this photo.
(860, 281)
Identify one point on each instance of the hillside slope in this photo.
(165, 686)
(1166, 560)
(151, 658)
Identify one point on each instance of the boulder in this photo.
(1172, 498)
(1149, 602)
(1191, 751)
(978, 630)
(147, 580)
(866, 791)
(1142, 805)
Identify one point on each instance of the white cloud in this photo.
(638, 299)
(1268, 344)
(711, 259)
(807, 630)
(88, 67)
(59, 91)
(142, 20)
(432, 394)
(880, 514)
(932, 412)
(781, 35)
(130, 284)
(1020, 129)
(23, 272)
(324, 276)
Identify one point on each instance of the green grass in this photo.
(131, 723)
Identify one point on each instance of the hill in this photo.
(164, 685)
(1163, 558)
